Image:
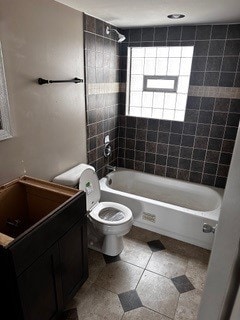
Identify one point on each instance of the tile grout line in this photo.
(143, 272)
(220, 151)
(180, 293)
(162, 314)
(200, 109)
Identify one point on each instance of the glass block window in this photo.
(158, 81)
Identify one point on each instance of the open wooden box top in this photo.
(25, 201)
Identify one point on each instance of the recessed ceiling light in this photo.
(176, 16)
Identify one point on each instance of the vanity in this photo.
(43, 248)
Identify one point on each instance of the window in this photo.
(158, 81)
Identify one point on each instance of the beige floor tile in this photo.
(167, 264)
(196, 273)
(142, 234)
(83, 290)
(186, 249)
(158, 293)
(99, 304)
(119, 277)
(96, 264)
(188, 305)
(136, 252)
(81, 293)
(143, 314)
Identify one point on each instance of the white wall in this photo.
(222, 276)
(42, 39)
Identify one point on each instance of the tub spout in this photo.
(111, 168)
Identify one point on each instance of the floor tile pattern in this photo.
(130, 300)
(156, 245)
(136, 252)
(188, 304)
(154, 278)
(158, 293)
(143, 314)
(119, 277)
(98, 303)
(182, 284)
(167, 264)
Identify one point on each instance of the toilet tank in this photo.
(71, 177)
(85, 177)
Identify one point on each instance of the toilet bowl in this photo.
(108, 221)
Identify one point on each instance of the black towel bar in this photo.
(45, 81)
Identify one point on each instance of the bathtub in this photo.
(170, 207)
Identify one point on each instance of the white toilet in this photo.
(109, 221)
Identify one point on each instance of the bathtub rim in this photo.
(212, 214)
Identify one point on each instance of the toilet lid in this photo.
(88, 182)
(111, 213)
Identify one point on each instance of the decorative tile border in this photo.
(195, 91)
(214, 92)
(103, 88)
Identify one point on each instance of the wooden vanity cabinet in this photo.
(44, 266)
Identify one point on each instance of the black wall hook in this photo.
(45, 81)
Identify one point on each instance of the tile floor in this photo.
(154, 278)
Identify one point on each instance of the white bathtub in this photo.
(167, 206)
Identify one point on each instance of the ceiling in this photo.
(136, 13)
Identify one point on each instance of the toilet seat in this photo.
(127, 214)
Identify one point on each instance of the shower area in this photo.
(198, 146)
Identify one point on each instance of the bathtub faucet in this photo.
(111, 168)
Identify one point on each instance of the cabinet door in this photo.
(73, 259)
(40, 287)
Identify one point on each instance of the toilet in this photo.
(108, 221)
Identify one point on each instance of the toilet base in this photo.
(108, 244)
(112, 245)
(112, 248)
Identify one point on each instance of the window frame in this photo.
(146, 77)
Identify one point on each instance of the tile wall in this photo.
(200, 148)
(102, 91)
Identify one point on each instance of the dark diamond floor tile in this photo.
(70, 314)
(130, 300)
(156, 245)
(183, 284)
(110, 259)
